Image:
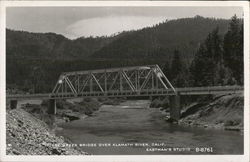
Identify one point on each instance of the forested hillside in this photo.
(22, 44)
(218, 61)
(161, 40)
(35, 60)
(157, 41)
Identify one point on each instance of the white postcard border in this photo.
(158, 158)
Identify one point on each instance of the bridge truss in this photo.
(125, 81)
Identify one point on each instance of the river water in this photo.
(134, 129)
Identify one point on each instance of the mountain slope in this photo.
(21, 44)
(161, 40)
(157, 41)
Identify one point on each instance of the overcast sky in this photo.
(74, 22)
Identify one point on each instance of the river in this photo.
(132, 128)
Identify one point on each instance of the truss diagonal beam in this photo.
(97, 83)
(159, 77)
(146, 80)
(128, 81)
(85, 84)
(115, 79)
(136, 79)
(166, 78)
(70, 85)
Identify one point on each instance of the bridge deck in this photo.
(180, 91)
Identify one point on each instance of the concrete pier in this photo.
(13, 104)
(175, 107)
(52, 106)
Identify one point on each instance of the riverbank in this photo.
(31, 130)
(220, 112)
(27, 135)
(217, 111)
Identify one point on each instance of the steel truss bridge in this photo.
(121, 82)
(126, 81)
(146, 80)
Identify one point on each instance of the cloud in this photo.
(106, 26)
(74, 22)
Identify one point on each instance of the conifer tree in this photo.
(167, 71)
(176, 64)
(208, 59)
(179, 77)
(233, 49)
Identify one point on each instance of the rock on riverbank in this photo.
(224, 112)
(27, 135)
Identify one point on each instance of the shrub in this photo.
(156, 103)
(232, 122)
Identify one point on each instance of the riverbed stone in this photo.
(32, 137)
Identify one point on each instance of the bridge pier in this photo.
(175, 107)
(13, 104)
(52, 106)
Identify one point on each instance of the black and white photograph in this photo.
(94, 79)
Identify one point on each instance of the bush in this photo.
(157, 103)
(40, 112)
(232, 122)
(205, 99)
(113, 101)
(87, 99)
(165, 103)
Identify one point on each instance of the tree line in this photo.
(218, 61)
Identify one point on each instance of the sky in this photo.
(74, 22)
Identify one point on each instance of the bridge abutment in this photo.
(13, 104)
(175, 107)
(52, 106)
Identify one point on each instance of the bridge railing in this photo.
(37, 95)
(148, 92)
(210, 88)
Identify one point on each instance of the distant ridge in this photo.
(161, 40)
(158, 41)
